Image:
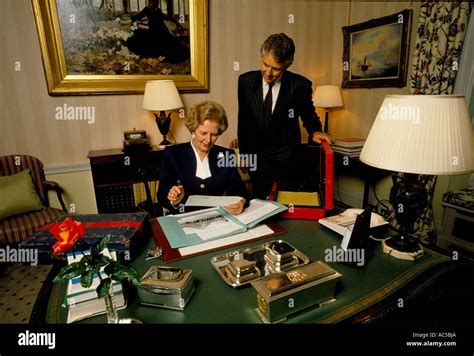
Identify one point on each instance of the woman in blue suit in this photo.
(199, 167)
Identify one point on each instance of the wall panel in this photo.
(237, 29)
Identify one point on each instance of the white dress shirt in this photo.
(275, 91)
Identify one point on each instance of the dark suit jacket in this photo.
(278, 141)
(179, 164)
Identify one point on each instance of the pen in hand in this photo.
(176, 193)
(179, 185)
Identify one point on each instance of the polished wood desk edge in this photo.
(412, 294)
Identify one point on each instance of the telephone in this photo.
(135, 141)
(339, 223)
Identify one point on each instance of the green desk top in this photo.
(216, 302)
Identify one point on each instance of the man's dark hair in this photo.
(281, 47)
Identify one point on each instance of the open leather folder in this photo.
(173, 254)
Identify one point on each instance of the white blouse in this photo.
(202, 167)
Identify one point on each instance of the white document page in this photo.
(211, 200)
(347, 237)
(341, 222)
(207, 224)
(255, 210)
(257, 231)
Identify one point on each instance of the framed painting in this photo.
(93, 47)
(376, 52)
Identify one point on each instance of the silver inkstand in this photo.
(285, 293)
(166, 287)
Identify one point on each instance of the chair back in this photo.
(16, 163)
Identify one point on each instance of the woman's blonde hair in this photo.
(206, 110)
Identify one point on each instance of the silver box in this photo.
(286, 293)
(166, 287)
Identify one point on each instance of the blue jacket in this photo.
(179, 164)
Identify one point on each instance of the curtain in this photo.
(440, 35)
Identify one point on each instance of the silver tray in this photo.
(240, 267)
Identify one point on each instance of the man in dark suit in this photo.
(271, 101)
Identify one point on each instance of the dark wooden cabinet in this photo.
(352, 166)
(114, 173)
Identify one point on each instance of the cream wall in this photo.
(237, 29)
(79, 194)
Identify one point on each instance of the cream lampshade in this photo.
(422, 134)
(162, 95)
(326, 97)
(417, 134)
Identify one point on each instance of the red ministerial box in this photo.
(310, 205)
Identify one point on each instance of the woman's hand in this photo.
(236, 208)
(176, 194)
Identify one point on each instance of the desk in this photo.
(215, 302)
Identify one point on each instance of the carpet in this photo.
(20, 285)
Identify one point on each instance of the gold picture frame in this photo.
(60, 82)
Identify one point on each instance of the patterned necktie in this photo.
(267, 105)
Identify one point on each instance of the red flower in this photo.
(67, 233)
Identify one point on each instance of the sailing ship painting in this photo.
(376, 52)
(364, 66)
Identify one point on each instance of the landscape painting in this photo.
(375, 52)
(115, 46)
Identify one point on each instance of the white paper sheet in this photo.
(255, 210)
(257, 231)
(208, 224)
(211, 200)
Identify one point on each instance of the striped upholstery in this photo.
(18, 228)
(15, 229)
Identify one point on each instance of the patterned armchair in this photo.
(14, 229)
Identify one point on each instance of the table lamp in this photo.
(417, 134)
(162, 95)
(327, 97)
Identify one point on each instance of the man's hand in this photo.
(236, 208)
(318, 136)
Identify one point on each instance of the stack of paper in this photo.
(350, 146)
(83, 302)
(340, 223)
